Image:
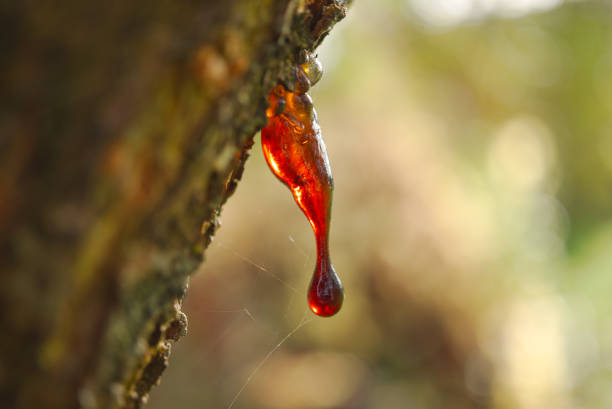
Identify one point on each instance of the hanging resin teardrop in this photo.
(295, 151)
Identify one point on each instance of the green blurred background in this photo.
(471, 146)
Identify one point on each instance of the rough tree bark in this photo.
(124, 127)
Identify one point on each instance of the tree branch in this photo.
(124, 130)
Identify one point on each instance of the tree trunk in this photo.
(124, 128)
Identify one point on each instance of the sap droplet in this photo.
(295, 151)
(325, 295)
(313, 69)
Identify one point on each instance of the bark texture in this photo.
(124, 128)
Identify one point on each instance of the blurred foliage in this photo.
(472, 156)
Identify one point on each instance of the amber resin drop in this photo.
(294, 149)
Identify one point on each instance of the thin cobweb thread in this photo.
(302, 322)
(258, 266)
(244, 310)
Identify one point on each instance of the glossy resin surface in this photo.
(295, 151)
